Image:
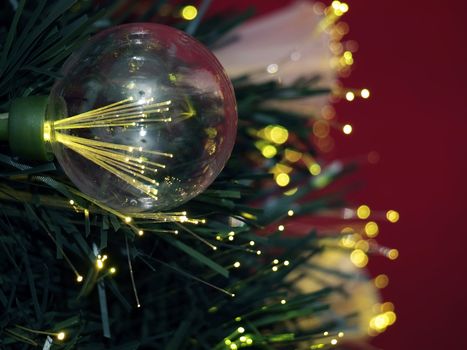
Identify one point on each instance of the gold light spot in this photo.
(189, 12)
(127, 219)
(292, 156)
(371, 229)
(79, 278)
(393, 254)
(359, 258)
(334, 341)
(347, 129)
(381, 281)
(61, 335)
(283, 301)
(237, 264)
(140, 232)
(392, 216)
(340, 334)
(290, 212)
(72, 202)
(113, 270)
(286, 263)
(275, 268)
(363, 212)
(281, 228)
(282, 179)
(233, 346)
(241, 330)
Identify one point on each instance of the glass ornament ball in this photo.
(144, 118)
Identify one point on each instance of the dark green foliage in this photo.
(178, 277)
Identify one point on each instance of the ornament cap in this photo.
(26, 128)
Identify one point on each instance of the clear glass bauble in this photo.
(144, 118)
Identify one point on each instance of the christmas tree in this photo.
(236, 265)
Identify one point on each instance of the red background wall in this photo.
(412, 57)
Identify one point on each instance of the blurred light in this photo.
(279, 134)
(241, 330)
(393, 254)
(347, 129)
(387, 306)
(391, 316)
(314, 169)
(113, 270)
(334, 341)
(272, 68)
(283, 301)
(349, 96)
(282, 179)
(371, 229)
(373, 157)
(269, 151)
(291, 192)
(365, 93)
(359, 258)
(292, 156)
(290, 212)
(237, 264)
(281, 228)
(381, 281)
(321, 128)
(61, 335)
(362, 245)
(79, 278)
(392, 216)
(363, 211)
(286, 263)
(189, 12)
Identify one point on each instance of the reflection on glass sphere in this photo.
(144, 118)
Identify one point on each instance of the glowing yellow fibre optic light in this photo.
(274, 268)
(349, 96)
(237, 264)
(72, 202)
(79, 278)
(387, 306)
(283, 301)
(292, 156)
(347, 129)
(269, 151)
(392, 216)
(340, 334)
(290, 212)
(140, 232)
(242, 339)
(279, 134)
(189, 12)
(113, 270)
(363, 212)
(286, 263)
(334, 341)
(314, 169)
(359, 258)
(61, 335)
(391, 317)
(233, 346)
(47, 131)
(381, 281)
(241, 330)
(371, 229)
(275, 261)
(282, 179)
(127, 219)
(393, 254)
(281, 228)
(365, 93)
